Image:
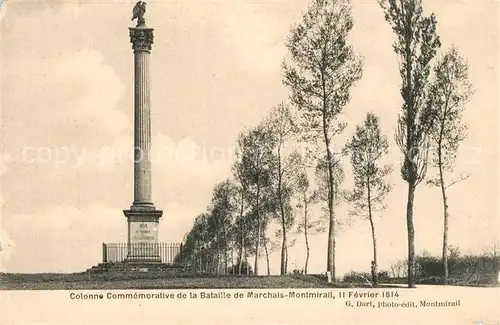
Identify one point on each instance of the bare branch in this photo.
(462, 177)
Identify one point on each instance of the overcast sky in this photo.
(67, 78)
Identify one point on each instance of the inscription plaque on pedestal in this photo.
(144, 232)
(143, 240)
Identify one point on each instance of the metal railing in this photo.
(143, 252)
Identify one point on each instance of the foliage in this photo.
(281, 124)
(322, 71)
(246, 268)
(478, 268)
(325, 185)
(361, 277)
(308, 197)
(297, 271)
(254, 166)
(324, 68)
(367, 148)
(448, 93)
(416, 45)
(222, 210)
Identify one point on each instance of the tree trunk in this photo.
(217, 260)
(286, 261)
(247, 271)
(370, 217)
(242, 238)
(282, 212)
(256, 260)
(240, 261)
(375, 265)
(232, 258)
(257, 244)
(305, 233)
(330, 260)
(446, 216)
(411, 236)
(226, 251)
(283, 253)
(267, 259)
(331, 241)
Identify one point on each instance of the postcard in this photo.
(249, 162)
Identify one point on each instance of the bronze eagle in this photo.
(138, 12)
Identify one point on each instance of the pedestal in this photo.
(143, 235)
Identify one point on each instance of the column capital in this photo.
(141, 39)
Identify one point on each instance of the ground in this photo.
(52, 281)
(183, 280)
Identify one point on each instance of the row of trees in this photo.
(273, 183)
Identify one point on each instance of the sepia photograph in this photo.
(333, 153)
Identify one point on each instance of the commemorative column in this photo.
(143, 217)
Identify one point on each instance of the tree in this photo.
(367, 148)
(196, 244)
(240, 226)
(191, 248)
(448, 93)
(283, 128)
(307, 225)
(323, 70)
(416, 44)
(255, 161)
(243, 240)
(223, 209)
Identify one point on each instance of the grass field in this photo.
(52, 281)
(152, 280)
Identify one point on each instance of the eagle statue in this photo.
(138, 12)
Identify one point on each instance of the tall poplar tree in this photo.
(322, 71)
(449, 92)
(367, 148)
(283, 127)
(415, 46)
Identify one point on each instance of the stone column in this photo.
(142, 38)
(143, 218)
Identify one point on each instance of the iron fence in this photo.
(143, 252)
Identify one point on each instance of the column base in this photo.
(142, 206)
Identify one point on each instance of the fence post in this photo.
(104, 253)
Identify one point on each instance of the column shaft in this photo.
(142, 130)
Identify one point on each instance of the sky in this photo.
(67, 122)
